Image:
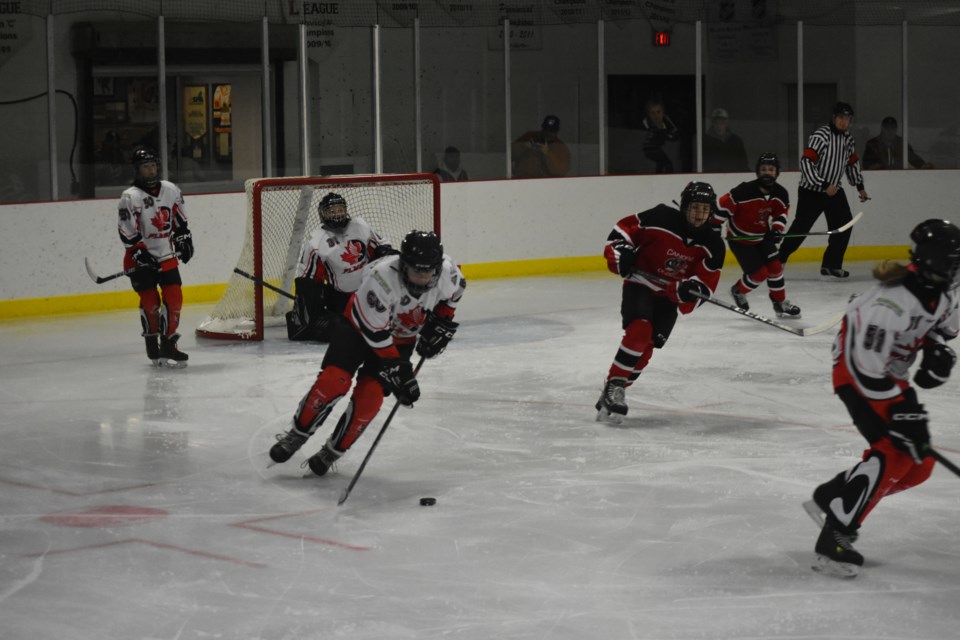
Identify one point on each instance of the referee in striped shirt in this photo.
(829, 154)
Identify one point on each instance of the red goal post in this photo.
(282, 212)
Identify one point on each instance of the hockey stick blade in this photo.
(260, 282)
(831, 232)
(101, 280)
(824, 326)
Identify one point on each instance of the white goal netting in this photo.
(282, 212)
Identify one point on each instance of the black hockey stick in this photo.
(260, 282)
(808, 331)
(831, 232)
(939, 457)
(356, 476)
(102, 279)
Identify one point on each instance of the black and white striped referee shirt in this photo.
(828, 155)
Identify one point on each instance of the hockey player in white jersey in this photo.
(153, 228)
(331, 267)
(911, 312)
(401, 298)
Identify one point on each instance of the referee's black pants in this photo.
(810, 204)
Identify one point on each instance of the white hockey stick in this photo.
(102, 279)
(797, 331)
(831, 232)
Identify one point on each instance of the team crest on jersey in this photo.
(405, 300)
(353, 253)
(162, 220)
(412, 319)
(374, 302)
(147, 202)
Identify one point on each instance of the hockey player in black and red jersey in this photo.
(331, 267)
(911, 312)
(153, 228)
(400, 298)
(758, 210)
(680, 246)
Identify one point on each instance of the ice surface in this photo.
(137, 502)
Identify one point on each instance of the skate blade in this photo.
(605, 416)
(171, 364)
(787, 316)
(813, 510)
(827, 567)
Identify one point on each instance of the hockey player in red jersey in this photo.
(153, 228)
(401, 297)
(680, 246)
(331, 267)
(910, 312)
(758, 209)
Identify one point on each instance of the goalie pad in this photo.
(311, 318)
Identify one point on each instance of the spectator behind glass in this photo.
(886, 150)
(449, 169)
(541, 154)
(723, 150)
(660, 130)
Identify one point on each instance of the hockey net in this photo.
(282, 212)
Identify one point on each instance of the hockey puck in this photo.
(427, 502)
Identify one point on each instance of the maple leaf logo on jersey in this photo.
(162, 220)
(353, 252)
(412, 319)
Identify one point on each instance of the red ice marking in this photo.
(108, 516)
(253, 526)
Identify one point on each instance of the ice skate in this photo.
(612, 404)
(834, 275)
(739, 299)
(287, 444)
(153, 348)
(835, 553)
(320, 462)
(786, 309)
(170, 355)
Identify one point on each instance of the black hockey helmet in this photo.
(332, 218)
(843, 109)
(142, 155)
(768, 159)
(421, 253)
(935, 250)
(697, 192)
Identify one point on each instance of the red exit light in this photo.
(661, 39)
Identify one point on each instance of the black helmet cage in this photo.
(935, 250)
(421, 251)
(328, 220)
(768, 158)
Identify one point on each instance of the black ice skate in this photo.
(322, 460)
(739, 299)
(835, 553)
(834, 275)
(786, 309)
(612, 403)
(153, 348)
(287, 444)
(170, 355)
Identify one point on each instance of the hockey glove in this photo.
(144, 259)
(626, 259)
(382, 250)
(183, 244)
(397, 376)
(908, 427)
(435, 335)
(938, 360)
(687, 290)
(769, 246)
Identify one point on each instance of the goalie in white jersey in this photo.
(331, 267)
(911, 311)
(402, 297)
(153, 228)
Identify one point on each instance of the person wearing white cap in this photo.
(723, 150)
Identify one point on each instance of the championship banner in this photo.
(195, 116)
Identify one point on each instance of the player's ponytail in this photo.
(890, 272)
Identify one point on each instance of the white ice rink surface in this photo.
(137, 503)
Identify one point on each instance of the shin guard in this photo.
(634, 352)
(331, 384)
(364, 405)
(170, 311)
(150, 312)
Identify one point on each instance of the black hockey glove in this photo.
(183, 244)
(687, 290)
(144, 259)
(382, 250)
(938, 360)
(626, 259)
(770, 245)
(435, 335)
(908, 426)
(397, 376)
